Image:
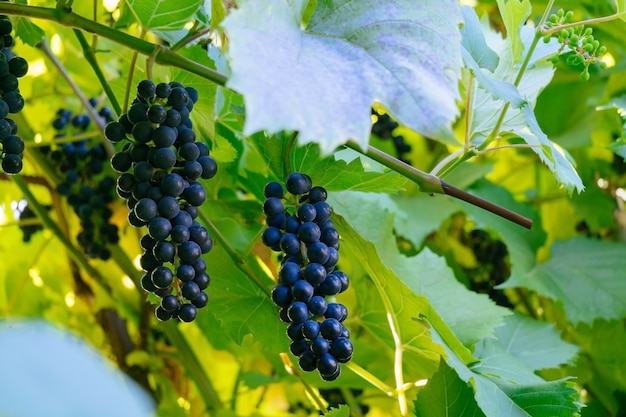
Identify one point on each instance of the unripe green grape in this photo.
(584, 76)
(560, 13)
(554, 59)
(574, 39)
(588, 31)
(596, 44)
(553, 18)
(546, 39)
(601, 50)
(588, 47)
(603, 65)
(569, 16)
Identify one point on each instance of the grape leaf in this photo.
(446, 395)
(584, 275)
(496, 398)
(242, 307)
(396, 302)
(27, 31)
(323, 79)
(514, 14)
(69, 382)
(473, 41)
(342, 411)
(535, 343)
(163, 14)
(337, 175)
(522, 121)
(470, 316)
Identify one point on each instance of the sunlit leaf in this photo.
(163, 14)
(584, 275)
(322, 80)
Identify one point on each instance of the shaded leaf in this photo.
(27, 31)
(446, 395)
(342, 411)
(323, 79)
(242, 307)
(585, 275)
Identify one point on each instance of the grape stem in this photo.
(98, 121)
(90, 56)
(68, 18)
(432, 184)
(595, 20)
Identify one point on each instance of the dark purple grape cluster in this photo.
(88, 187)
(160, 164)
(300, 228)
(383, 127)
(11, 101)
(25, 215)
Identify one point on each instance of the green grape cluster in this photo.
(578, 39)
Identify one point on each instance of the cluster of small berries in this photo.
(300, 227)
(584, 49)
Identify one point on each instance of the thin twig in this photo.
(43, 45)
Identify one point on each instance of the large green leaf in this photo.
(586, 276)
(395, 304)
(322, 80)
(63, 374)
(471, 316)
(242, 307)
(163, 14)
(446, 395)
(499, 398)
(535, 343)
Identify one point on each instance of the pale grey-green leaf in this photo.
(322, 80)
(473, 40)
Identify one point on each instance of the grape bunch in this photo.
(383, 127)
(300, 228)
(584, 49)
(88, 187)
(11, 101)
(493, 266)
(160, 164)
